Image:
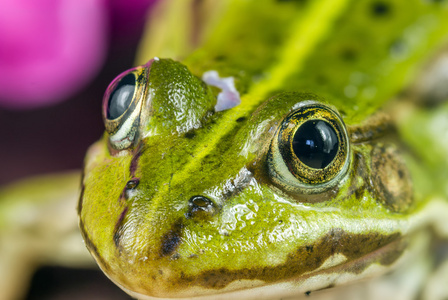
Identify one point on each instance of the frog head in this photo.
(180, 200)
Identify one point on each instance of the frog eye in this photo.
(120, 96)
(310, 151)
(121, 108)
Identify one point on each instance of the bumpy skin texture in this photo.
(193, 207)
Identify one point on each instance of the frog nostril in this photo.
(200, 201)
(200, 207)
(132, 184)
(129, 188)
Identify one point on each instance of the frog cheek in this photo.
(391, 179)
(310, 152)
(122, 103)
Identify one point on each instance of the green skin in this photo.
(259, 230)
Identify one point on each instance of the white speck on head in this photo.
(229, 97)
(156, 58)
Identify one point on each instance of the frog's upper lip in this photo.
(382, 257)
(359, 251)
(385, 255)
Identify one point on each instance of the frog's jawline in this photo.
(362, 248)
(390, 250)
(92, 248)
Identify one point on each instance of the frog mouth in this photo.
(384, 256)
(340, 273)
(359, 251)
(386, 259)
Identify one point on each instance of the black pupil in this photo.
(315, 143)
(121, 97)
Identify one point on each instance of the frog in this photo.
(204, 184)
(278, 157)
(314, 178)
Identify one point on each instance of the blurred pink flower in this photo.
(49, 49)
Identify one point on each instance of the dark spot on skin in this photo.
(118, 228)
(200, 207)
(359, 193)
(190, 135)
(308, 293)
(358, 248)
(241, 119)
(134, 162)
(391, 179)
(380, 8)
(172, 239)
(309, 248)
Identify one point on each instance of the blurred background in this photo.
(56, 59)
